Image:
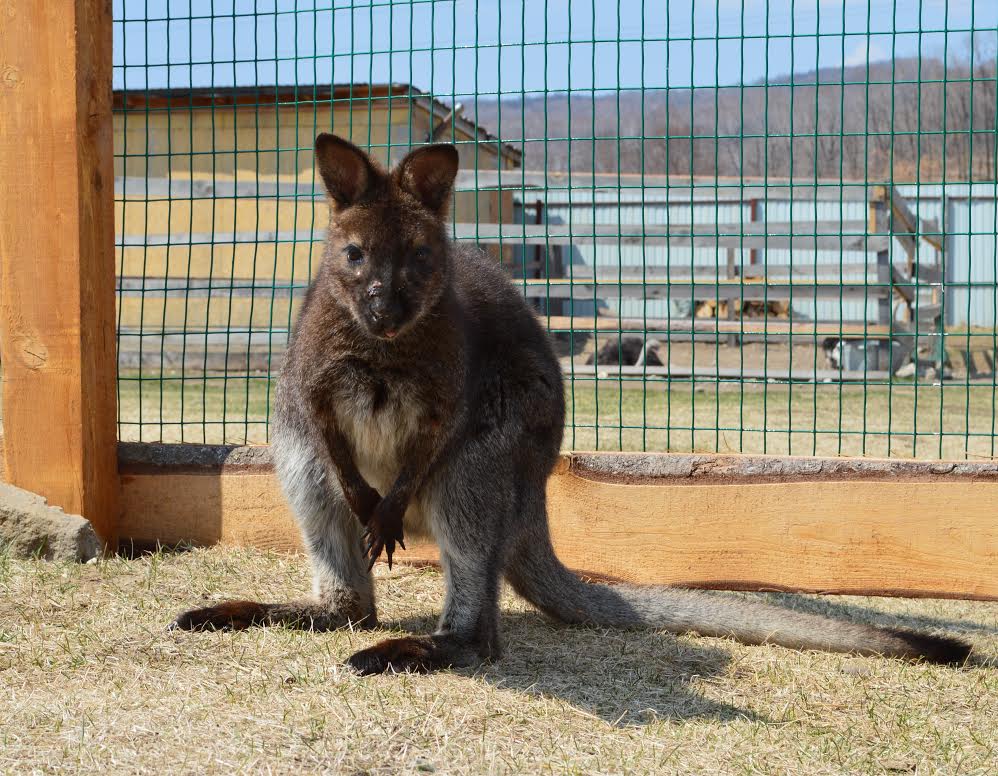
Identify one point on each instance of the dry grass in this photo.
(92, 680)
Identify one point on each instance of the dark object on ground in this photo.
(626, 351)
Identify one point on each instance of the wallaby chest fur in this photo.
(480, 356)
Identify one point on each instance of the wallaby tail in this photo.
(539, 576)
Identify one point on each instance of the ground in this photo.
(92, 679)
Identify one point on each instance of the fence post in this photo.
(879, 223)
(732, 275)
(57, 331)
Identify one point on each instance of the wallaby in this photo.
(420, 393)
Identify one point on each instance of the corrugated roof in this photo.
(294, 94)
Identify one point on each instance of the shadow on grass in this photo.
(622, 677)
(637, 677)
(849, 611)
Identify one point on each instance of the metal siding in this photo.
(972, 260)
(971, 233)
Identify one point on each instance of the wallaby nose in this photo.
(378, 307)
(378, 299)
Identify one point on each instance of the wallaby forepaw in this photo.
(383, 531)
(230, 615)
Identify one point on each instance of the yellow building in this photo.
(216, 187)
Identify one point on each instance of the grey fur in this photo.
(472, 363)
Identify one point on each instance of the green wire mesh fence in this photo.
(764, 227)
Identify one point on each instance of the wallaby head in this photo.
(387, 257)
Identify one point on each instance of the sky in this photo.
(457, 48)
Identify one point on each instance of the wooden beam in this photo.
(680, 288)
(733, 522)
(57, 248)
(838, 234)
(902, 284)
(829, 235)
(727, 373)
(264, 288)
(663, 187)
(927, 230)
(849, 271)
(745, 326)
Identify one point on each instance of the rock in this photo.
(29, 527)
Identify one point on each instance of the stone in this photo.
(30, 528)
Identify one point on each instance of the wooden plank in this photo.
(672, 188)
(681, 268)
(734, 522)
(202, 287)
(237, 312)
(824, 236)
(927, 230)
(845, 537)
(265, 288)
(902, 284)
(727, 373)
(732, 340)
(664, 188)
(582, 230)
(57, 243)
(877, 215)
(711, 326)
(699, 238)
(565, 288)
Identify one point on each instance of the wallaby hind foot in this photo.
(416, 654)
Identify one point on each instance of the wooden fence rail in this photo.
(839, 525)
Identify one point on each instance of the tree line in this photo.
(903, 120)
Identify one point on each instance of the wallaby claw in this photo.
(384, 530)
(374, 547)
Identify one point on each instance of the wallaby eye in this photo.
(354, 254)
(422, 253)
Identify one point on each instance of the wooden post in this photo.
(732, 274)
(753, 217)
(879, 224)
(57, 335)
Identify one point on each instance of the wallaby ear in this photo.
(347, 172)
(428, 174)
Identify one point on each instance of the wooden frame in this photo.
(837, 525)
(57, 248)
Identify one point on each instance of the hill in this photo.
(907, 119)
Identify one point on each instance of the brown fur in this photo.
(420, 391)
(409, 653)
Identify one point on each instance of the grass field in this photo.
(92, 681)
(954, 421)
